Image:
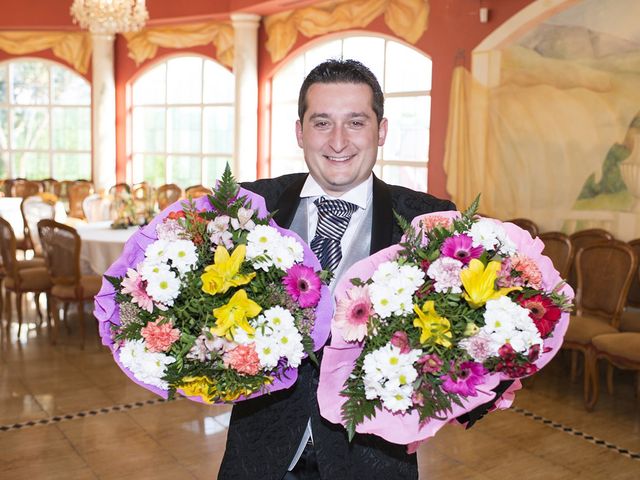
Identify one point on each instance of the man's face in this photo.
(340, 135)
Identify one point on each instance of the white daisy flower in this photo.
(150, 270)
(183, 255)
(157, 252)
(164, 288)
(384, 301)
(396, 397)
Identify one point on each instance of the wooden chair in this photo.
(604, 272)
(22, 276)
(526, 224)
(630, 320)
(50, 185)
(559, 249)
(197, 191)
(167, 194)
(61, 245)
(25, 188)
(97, 208)
(78, 191)
(582, 239)
(33, 210)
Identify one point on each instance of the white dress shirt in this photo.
(361, 196)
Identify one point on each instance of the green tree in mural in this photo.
(611, 180)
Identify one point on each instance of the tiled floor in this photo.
(70, 413)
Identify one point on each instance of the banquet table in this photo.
(101, 245)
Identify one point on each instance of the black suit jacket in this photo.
(265, 432)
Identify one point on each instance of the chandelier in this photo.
(110, 16)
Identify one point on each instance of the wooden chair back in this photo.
(558, 247)
(33, 210)
(197, 191)
(78, 191)
(61, 247)
(25, 188)
(582, 239)
(168, 194)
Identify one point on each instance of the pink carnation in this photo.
(529, 271)
(433, 221)
(159, 337)
(243, 359)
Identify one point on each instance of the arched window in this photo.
(182, 122)
(405, 76)
(45, 121)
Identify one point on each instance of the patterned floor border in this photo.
(131, 406)
(82, 414)
(571, 431)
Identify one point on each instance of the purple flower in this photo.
(464, 379)
(303, 284)
(461, 248)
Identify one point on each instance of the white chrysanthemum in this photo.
(164, 288)
(404, 303)
(281, 256)
(396, 397)
(385, 302)
(508, 322)
(290, 345)
(278, 318)
(445, 271)
(372, 387)
(262, 237)
(294, 247)
(157, 252)
(146, 366)
(491, 235)
(183, 255)
(150, 270)
(241, 337)
(267, 349)
(386, 273)
(413, 275)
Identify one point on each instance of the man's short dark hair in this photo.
(342, 71)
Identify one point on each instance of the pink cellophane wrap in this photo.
(404, 428)
(107, 311)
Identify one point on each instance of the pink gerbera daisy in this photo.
(352, 314)
(303, 284)
(463, 381)
(461, 248)
(133, 285)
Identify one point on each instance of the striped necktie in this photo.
(333, 220)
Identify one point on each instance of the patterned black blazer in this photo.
(265, 432)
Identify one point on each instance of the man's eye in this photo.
(357, 123)
(321, 124)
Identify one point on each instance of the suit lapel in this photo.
(382, 221)
(288, 203)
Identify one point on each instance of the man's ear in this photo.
(299, 132)
(382, 132)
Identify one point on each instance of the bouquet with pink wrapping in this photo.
(213, 300)
(424, 330)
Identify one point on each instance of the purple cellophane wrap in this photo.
(404, 428)
(108, 314)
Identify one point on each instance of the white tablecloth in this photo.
(101, 244)
(10, 211)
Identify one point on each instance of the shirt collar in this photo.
(358, 195)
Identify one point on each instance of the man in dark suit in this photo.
(340, 127)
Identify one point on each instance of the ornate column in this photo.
(103, 95)
(245, 69)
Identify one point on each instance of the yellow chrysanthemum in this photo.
(223, 274)
(480, 283)
(435, 329)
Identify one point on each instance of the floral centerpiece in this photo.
(49, 198)
(213, 300)
(424, 330)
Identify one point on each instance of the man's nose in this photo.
(338, 140)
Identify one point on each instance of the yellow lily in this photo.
(235, 314)
(205, 388)
(435, 329)
(480, 283)
(223, 274)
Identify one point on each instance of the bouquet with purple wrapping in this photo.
(214, 301)
(425, 330)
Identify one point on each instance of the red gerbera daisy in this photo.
(544, 313)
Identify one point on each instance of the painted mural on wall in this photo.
(565, 120)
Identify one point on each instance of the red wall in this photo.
(453, 26)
